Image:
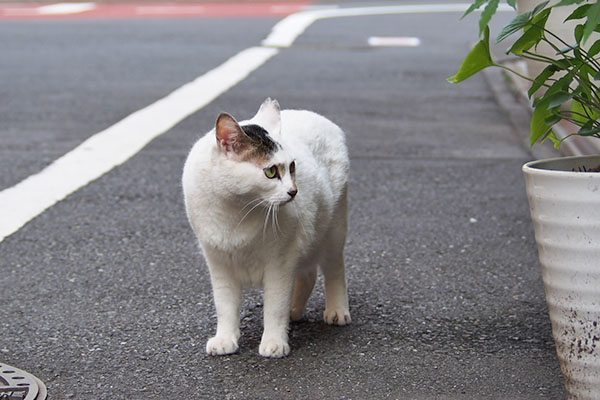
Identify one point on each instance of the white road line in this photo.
(394, 41)
(65, 8)
(286, 31)
(113, 146)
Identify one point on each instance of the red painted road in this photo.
(44, 11)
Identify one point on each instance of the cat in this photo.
(267, 200)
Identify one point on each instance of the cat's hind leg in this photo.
(332, 265)
(303, 287)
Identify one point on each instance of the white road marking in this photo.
(394, 41)
(113, 146)
(286, 31)
(65, 8)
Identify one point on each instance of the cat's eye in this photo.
(293, 167)
(271, 172)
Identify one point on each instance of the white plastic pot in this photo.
(565, 209)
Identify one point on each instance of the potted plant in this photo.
(563, 193)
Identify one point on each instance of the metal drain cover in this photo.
(16, 384)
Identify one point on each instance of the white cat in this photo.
(267, 200)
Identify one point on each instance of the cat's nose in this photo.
(293, 192)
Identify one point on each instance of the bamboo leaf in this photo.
(477, 59)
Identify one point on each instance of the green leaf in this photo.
(520, 21)
(578, 13)
(567, 2)
(539, 129)
(487, 14)
(582, 113)
(474, 6)
(593, 19)
(541, 79)
(539, 7)
(561, 85)
(512, 3)
(556, 141)
(578, 33)
(594, 49)
(533, 34)
(552, 119)
(477, 59)
(517, 23)
(557, 99)
(587, 129)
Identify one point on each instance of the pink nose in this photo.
(293, 193)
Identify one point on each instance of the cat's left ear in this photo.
(269, 116)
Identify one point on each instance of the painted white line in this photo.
(111, 147)
(286, 31)
(65, 8)
(394, 41)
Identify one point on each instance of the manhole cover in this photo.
(16, 384)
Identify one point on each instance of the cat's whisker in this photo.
(267, 220)
(277, 227)
(274, 219)
(260, 202)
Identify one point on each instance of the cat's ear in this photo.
(269, 117)
(229, 134)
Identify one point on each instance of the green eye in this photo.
(271, 172)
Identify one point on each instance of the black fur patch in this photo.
(260, 139)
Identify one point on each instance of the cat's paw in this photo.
(274, 348)
(337, 316)
(218, 346)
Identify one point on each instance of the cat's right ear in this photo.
(229, 134)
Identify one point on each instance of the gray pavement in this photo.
(105, 296)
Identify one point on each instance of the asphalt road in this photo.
(105, 295)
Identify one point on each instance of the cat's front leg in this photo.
(227, 293)
(278, 286)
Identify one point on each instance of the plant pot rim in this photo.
(563, 166)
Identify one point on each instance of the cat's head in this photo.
(253, 164)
